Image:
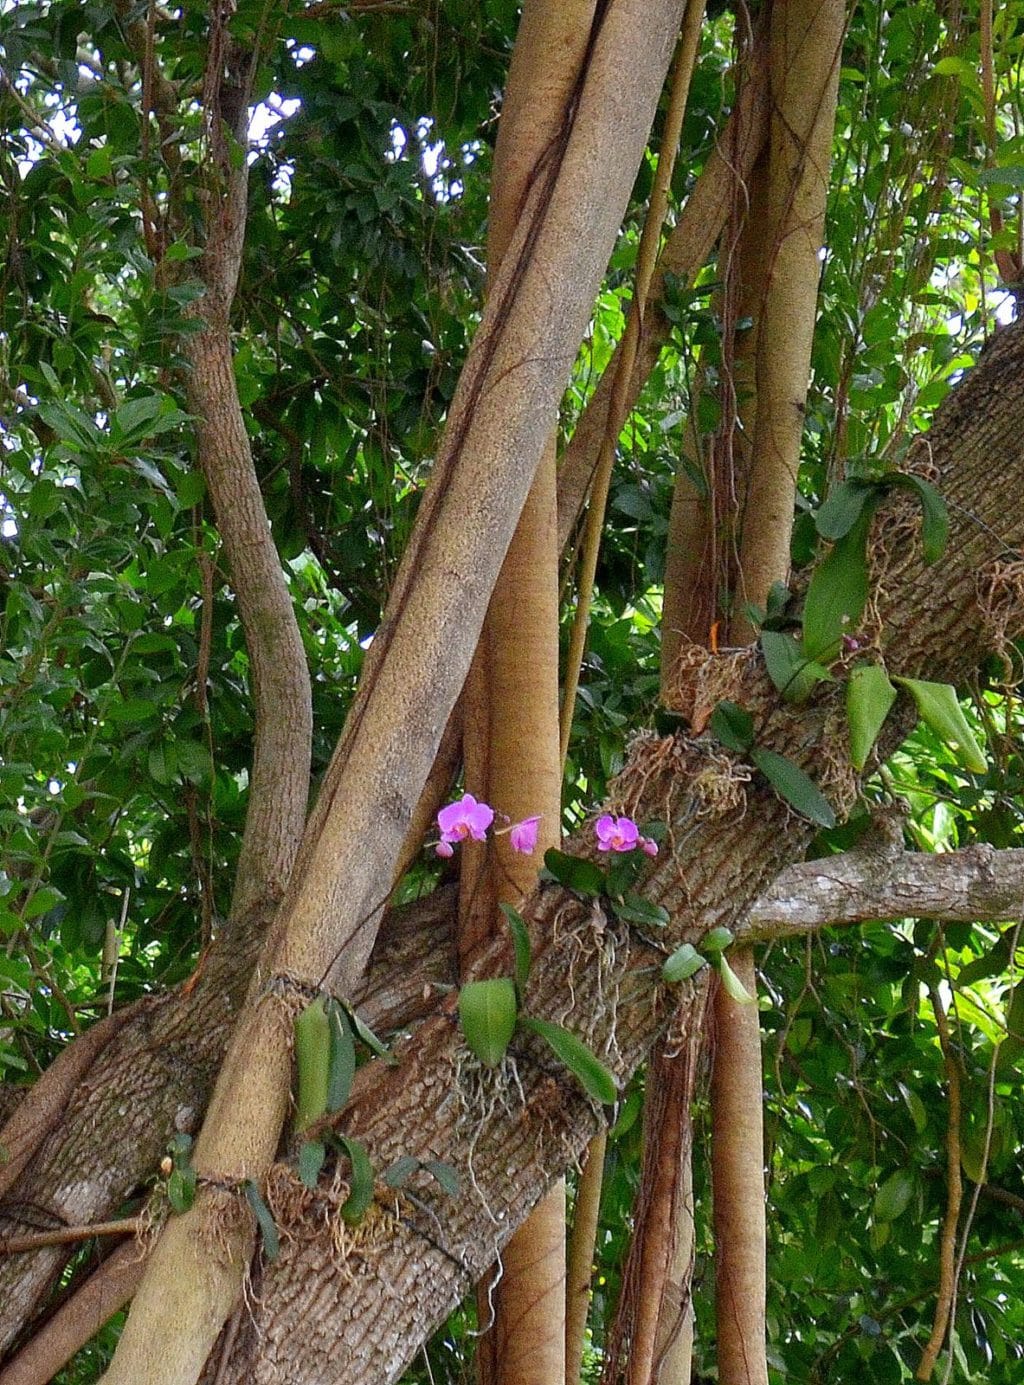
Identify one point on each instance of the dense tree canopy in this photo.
(242, 322)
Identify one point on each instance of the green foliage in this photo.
(125, 689)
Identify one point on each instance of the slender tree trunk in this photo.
(510, 740)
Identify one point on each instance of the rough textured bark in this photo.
(933, 622)
(500, 418)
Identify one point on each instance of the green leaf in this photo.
(360, 1195)
(733, 727)
(366, 1035)
(520, 943)
(893, 1197)
(42, 902)
(633, 908)
(488, 1010)
(686, 961)
(444, 1174)
(264, 1220)
(181, 1188)
(789, 668)
(312, 1154)
(937, 703)
(837, 594)
(401, 1171)
(574, 872)
(843, 508)
(790, 782)
(869, 699)
(312, 1062)
(731, 983)
(593, 1076)
(342, 1059)
(717, 940)
(934, 513)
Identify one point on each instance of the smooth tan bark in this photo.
(502, 414)
(805, 51)
(510, 740)
(580, 1254)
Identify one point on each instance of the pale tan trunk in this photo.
(510, 737)
(805, 52)
(804, 57)
(501, 417)
(580, 1254)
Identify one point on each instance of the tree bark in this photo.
(932, 623)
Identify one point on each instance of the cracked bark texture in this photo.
(355, 1310)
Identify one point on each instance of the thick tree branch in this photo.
(935, 622)
(976, 884)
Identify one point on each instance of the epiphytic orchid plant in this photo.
(467, 817)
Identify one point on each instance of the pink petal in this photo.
(444, 848)
(523, 835)
(478, 818)
(604, 827)
(650, 846)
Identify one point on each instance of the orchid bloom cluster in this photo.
(622, 834)
(468, 818)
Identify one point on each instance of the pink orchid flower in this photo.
(466, 818)
(616, 834)
(523, 835)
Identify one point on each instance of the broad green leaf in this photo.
(842, 509)
(444, 1174)
(644, 913)
(342, 1060)
(42, 902)
(312, 1063)
(893, 1197)
(686, 961)
(869, 699)
(488, 1010)
(717, 940)
(788, 666)
(360, 1195)
(732, 984)
(733, 727)
(837, 594)
(264, 1220)
(312, 1154)
(934, 513)
(574, 872)
(366, 1035)
(181, 1187)
(790, 782)
(938, 706)
(401, 1171)
(593, 1076)
(520, 943)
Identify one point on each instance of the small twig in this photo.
(66, 1235)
